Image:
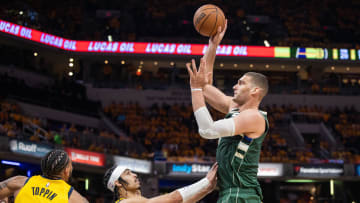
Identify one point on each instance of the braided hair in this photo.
(106, 180)
(54, 163)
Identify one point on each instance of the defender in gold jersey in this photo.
(126, 187)
(51, 186)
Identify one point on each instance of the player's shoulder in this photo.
(16, 181)
(135, 200)
(77, 197)
(252, 113)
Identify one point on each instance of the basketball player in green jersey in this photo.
(242, 131)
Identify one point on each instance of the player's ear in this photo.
(118, 184)
(255, 90)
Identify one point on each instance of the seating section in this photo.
(325, 23)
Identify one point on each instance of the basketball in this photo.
(207, 19)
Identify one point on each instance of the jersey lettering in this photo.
(43, 192)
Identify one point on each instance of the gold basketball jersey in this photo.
(44, 190)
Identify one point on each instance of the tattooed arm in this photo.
(10, 186)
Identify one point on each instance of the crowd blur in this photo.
(304, 81)
(15, 124)
(171, 132)
(325, 23)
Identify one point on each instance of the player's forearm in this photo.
(197, 99)
(195, 192)
(9, 186)
(210, 56)
(173, 197)
(198, 196)
(216, 98)
(4, 191)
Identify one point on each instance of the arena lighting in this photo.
(251, 65)
(138, 72)
(21, 12)
(71, 59)
(347, 69)
(172, 63)
(70, 73)
(282, 66)
(106, 61)
(71, 65)
(298, 67)
(247, 28)
(235, 65)
(244, 22)
(332, 68)
(155, 63)
(122, 62)
(12, 163)
(141, 62)
(86, 184)
(300, 181)
(267, 66)
(110, 39)
(221, 65)
(35, 54)
(266, 43)
(28, 173)
(332, 187)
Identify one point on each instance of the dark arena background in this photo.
(106, 81)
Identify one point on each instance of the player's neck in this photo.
(247, 105)
(131, 194)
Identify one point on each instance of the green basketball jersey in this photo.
(238, 157)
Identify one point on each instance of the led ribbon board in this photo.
(139, 47)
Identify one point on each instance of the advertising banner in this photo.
(270, 170)
(139, 47)
(175, 48)
(86, 157)
(29, 148)
(188, 168)
(136, 165)
(265, 169)
(319, 170)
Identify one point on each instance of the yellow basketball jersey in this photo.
(44, 190)
(118, 201)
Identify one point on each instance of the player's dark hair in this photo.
(260, 81)
(54, 163)
(106, 180)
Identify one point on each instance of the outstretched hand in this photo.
(198, 78)
(212, 177)
(216, 39)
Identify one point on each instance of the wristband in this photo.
(191, 190)
(196, 89)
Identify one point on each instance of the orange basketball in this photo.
(207, 19)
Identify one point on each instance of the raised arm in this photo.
(12, 185)
(249, 122)
(210, 53)
(214, 96)
(211, 176)
(217, 99)
(188, 194)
